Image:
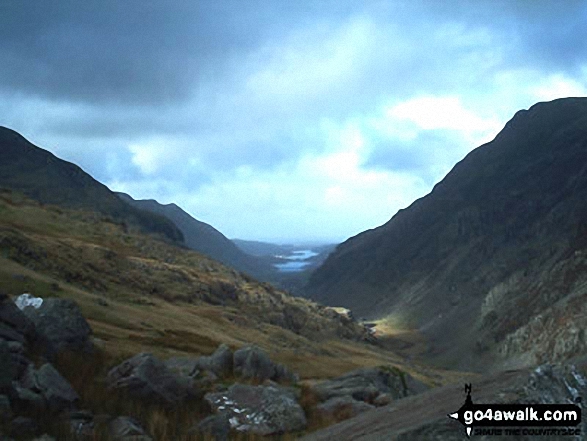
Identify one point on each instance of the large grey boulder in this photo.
(8, 368)
(368, 383)
(216, 427)
(251, 362)
(220, 363)
(14, 325)
(262, 410)
(61, 323)
(56, 389)
(127, 429)
(45, 388)
(148, 378)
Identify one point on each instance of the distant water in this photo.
(298, 260)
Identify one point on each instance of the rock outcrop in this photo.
(61, 324)
(147, 378)
(370, 383)
(262, 410)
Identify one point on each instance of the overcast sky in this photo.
(281, 120)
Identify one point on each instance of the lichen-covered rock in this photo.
(262, 410)
(148, 378)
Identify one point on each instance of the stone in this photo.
(344, 407)
(14, 325)
(262, 410)
(126, 428)
(8, 368)
(61, 323)
(251, 362)
(148, 378)
(27, 400)
(55, 389)
(220, 363)
(368, 383)
(184, 366)
(382, 400)
(216, 427)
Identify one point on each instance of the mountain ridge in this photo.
(203, 237)
(48, 179)
(511, 209)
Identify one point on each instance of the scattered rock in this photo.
(148, 378)
(344, 407)
(367, 384)
(55, 389)
(82, 425)
(262, 410)
(251, 362)
(61, 323)
(27, 400)
(220, 363)
(215, 426)
(8, 369)
(127, 429)
(14, 325)
(184, 366)
(382, 400)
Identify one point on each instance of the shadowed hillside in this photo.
(493, 261)
(50, 180)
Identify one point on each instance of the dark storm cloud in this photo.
(123, 51)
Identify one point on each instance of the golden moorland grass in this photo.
(141, 294)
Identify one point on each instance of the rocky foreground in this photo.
(241, 391)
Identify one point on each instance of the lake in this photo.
(298, 260)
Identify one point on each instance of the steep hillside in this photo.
(50, 180)
(204, 238)
(143, 294)
(493, 260)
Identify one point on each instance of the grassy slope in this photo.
(141, 294)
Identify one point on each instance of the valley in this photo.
(482, 281)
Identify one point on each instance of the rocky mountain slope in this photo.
(206, 239)
(50, 180)
(492, 263)
(142, 294)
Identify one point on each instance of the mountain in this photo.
(204, 238)
(256, 248)
(491, 266)
(42, 176)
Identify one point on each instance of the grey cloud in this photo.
(429, 153)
